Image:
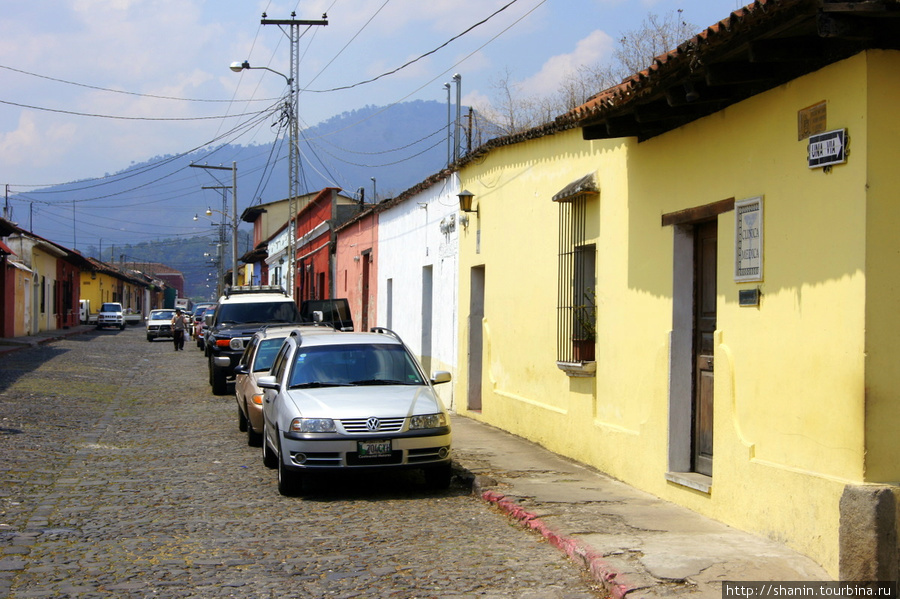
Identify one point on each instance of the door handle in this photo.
(709, 362)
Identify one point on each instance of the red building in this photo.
(315, 245)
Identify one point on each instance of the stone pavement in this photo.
(631, 542)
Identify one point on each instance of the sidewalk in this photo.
(630, 541)
(10, 344)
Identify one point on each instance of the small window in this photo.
(577, 279)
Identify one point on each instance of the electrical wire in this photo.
(124, 92)
(126, 118)
(414, 60)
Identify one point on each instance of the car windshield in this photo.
(261, 312)
(353, 364)
(265, 354)
(161, 315)
(111, 308)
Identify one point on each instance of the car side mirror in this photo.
(268, 382)
(240, 369)
(440, 376)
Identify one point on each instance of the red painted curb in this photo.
(585, 556)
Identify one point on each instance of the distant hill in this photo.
(398, 146)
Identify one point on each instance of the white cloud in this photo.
(595, 48)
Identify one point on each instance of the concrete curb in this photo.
(583, 555)
(17, 343)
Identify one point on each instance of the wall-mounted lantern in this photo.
(465, 201)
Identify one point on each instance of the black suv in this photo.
(331, 312)
(240, 313)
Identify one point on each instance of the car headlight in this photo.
(312, 425)
(236, 343)
(428, 421)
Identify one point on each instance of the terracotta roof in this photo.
(754, 49)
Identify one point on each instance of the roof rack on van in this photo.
(280, 325)
(242, 289)
(386, 331)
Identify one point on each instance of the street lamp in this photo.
(293, 154)
(219, 258)
(238, 66)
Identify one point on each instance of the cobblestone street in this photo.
(121, 475)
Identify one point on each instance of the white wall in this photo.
(421, 232)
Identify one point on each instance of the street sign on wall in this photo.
(827, 148)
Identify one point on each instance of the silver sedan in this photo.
(336, 400)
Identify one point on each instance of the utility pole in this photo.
(291, 28)
(220, 246)
(234, 226)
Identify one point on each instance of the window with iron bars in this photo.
(577, 301)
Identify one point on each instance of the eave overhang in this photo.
(757, 48)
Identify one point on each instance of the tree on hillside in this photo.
(513, 110)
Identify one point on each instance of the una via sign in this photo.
(827, 148)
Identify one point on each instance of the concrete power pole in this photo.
(291, 28)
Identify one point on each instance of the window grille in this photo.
(576, 306)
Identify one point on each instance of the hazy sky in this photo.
(89, 86)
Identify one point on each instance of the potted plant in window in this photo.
(584, 340)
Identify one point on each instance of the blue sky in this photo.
(60, 58)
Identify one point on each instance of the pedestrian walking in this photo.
(179, 324)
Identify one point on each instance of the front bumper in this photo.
(334, 451)
(158, 333)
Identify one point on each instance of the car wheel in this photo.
(122, 327)
(218, 381)
(290, 483)
(242, 420)
(270, 460)
(253, 437)
(438, 477)
(149, 338)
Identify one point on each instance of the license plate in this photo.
(374, 449)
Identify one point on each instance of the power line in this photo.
(414, 60)
(126, 118)
(127, 93)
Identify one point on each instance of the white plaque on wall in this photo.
(748, 240)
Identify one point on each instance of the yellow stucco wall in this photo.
(882, 269)
(45, 266)
(791, 379)
(98, 289)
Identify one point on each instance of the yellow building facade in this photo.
(797, 367)
(99, 286)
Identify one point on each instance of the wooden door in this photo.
(705, 240)
(364, 317)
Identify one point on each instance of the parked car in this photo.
(111, 315)
(159, 324)
(203, 327)
(344, 401)
(239, 314)
(256, 361)
(197, 322)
